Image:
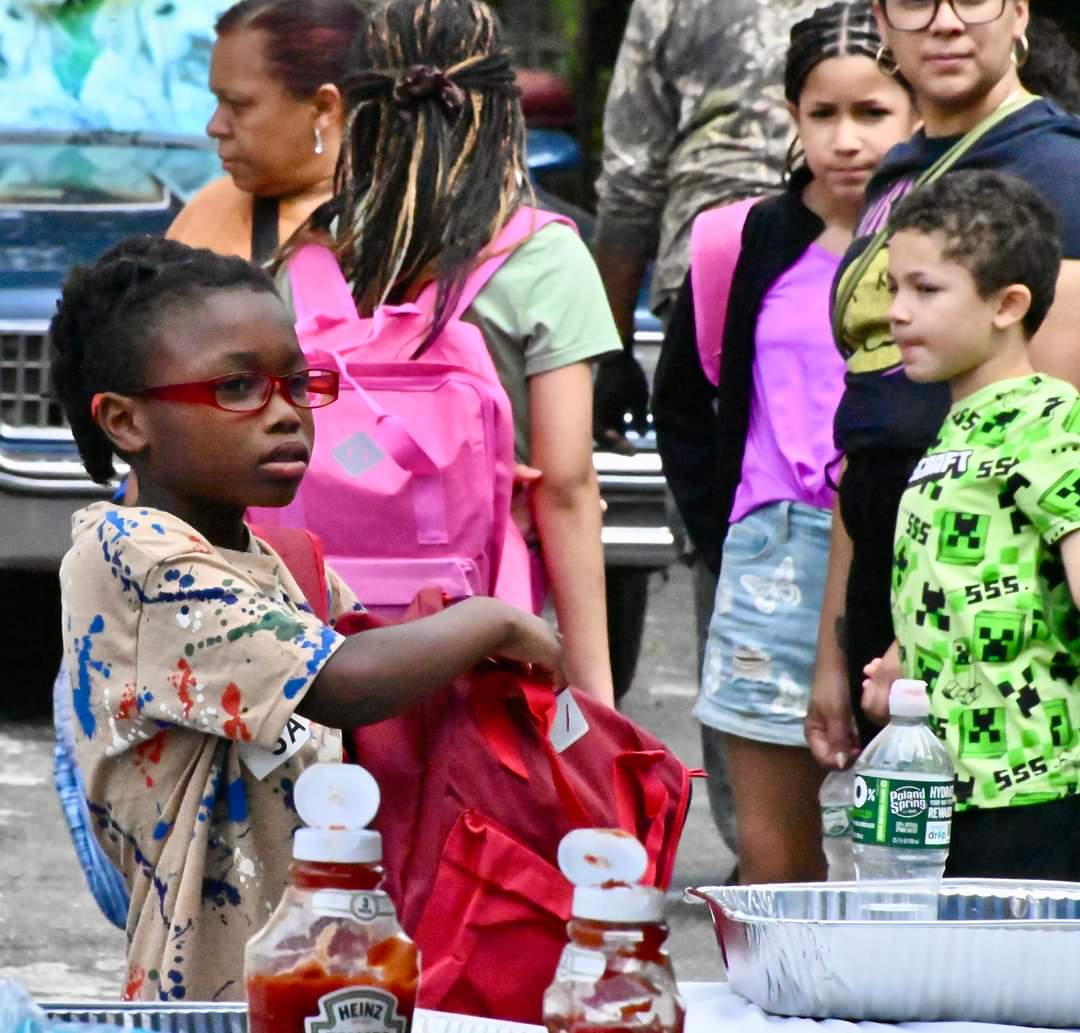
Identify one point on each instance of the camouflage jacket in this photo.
(695, 117)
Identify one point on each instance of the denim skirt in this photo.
(759, 656)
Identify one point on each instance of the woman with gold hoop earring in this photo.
(958, 58)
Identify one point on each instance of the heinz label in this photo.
(357, 1009)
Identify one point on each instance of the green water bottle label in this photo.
(903, 810)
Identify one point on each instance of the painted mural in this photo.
(106, 64)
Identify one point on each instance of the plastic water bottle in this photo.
(837, 792)
(902, 811)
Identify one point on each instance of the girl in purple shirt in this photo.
(753, 482)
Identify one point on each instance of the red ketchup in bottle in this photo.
(615, 975)
(333, 957)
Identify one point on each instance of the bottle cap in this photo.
(605, 866)
(336, 802)
(908, 698)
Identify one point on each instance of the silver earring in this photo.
(318, 141)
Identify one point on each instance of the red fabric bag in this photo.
(475, 799)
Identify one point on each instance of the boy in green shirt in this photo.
(986, 571)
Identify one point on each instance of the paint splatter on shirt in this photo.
(187, 664)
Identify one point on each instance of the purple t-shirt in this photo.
(798, 381)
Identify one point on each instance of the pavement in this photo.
(55, 942)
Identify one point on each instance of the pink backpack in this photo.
(715, 244)
(411, 476)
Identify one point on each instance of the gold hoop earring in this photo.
(1021, 51)
(886, 60)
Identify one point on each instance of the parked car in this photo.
(66, 195)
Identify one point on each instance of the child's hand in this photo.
(875, 689)
(533, 641)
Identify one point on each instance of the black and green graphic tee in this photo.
(981, 607)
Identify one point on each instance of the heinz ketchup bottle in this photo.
(333, 955)
(615, 974)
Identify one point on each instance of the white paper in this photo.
(569, 724)
(261, 761)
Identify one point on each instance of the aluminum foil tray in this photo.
(1000, 951)
(169, 1018)
(232, 1018)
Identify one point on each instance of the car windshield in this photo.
(121, 65)
(111, 171)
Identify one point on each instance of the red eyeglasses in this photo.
(251, 392)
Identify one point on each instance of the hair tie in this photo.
(419, 83)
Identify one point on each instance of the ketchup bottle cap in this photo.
(336, 802)
(605, 866)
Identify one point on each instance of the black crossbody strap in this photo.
(264, 229)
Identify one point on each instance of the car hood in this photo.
(66, 197)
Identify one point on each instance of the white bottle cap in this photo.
(605, 866)
(337, 801)
(908, 698)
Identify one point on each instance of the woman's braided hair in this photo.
(434, 160)
(108, 316)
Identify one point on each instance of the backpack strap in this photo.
(855, 272)
(320, 294)
(302, 553)
(264, 228)
(715, 245)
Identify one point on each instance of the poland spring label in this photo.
(902, 810)
(357, 1009)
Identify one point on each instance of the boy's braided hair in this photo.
(108, 316)
(434, 158)
(996, 226)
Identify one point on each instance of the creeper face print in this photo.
(998, 637)
(963, 538)
(1023, 688)
(1063, 498)
(928, 666)
(1062, 732)
(982, 732)
(933, 611)
(994, 431)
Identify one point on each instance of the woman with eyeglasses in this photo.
(962, 59)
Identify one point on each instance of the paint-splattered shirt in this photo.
(187, 664)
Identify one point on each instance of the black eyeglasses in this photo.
(916, 15)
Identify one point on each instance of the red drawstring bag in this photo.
(475, 799)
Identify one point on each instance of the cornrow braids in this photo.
(107, 318)
(837, 30)
(434, 160)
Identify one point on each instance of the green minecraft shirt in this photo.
(981, 607)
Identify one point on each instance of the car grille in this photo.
(24, 383)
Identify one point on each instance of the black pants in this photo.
(869, 494)
(1039, 841)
